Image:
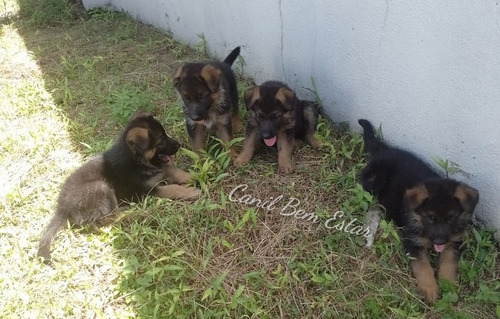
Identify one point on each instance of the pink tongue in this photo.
(200, 122)
(165, 158)
(270, 141)
(439, 248)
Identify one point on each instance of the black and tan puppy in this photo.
(135, 166)
(432, 212)
(209, 99)
(276, 116)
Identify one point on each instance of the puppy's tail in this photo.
(229, 60)
(372, 144)
(56, 223)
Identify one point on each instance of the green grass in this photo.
(69, 81)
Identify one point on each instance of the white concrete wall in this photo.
(429, 71)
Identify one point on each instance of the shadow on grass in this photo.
(100, 67)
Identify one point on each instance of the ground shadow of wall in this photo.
(99, 68)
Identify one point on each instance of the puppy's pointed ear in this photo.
(176, 75)
(415, 197)
(137, 140)
(251, 96)
(467, 197)
(286, 97)
(140, 113)
(211, 76)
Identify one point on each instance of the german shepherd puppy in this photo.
(135, 166)
(277, 116)
(209, 99)
(432, 212)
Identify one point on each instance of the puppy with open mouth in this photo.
(277, 117)
(432, 212)
(138, 164)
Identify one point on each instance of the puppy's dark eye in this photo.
(274, 116)
(432, 218)
(202, 96)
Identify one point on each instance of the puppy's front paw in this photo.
(238, 126)
(192, 193)
(286, 168)
(430, 292)
(314, 142)
(239, 161)
(177, 192)
(233, 153)
(176, 175)
(183, 177)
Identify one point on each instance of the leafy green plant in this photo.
(102, 14)
(124, 103)
(241, 63)
(209, 167)
(448, 167)
(314, 91)
(180, 49)
(359, 200)
(389, 241)
(201, 47)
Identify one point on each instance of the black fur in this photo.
(279, 119)
(268, 113)
(135, 184)
(391, 172)
(209, 97)
(430, 211)
(196, 107)
(132, 168)
(229, 60)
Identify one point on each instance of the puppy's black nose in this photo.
(197, 118)
(267, 135)
(439, 241)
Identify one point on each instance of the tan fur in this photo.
(248, 149)
(236, 123)
(176, 175)
(423, 272)
(285, 96)
(285, 150)
(415, 196)
(222, 133)
(176, 77)
(138, 139)
(177, 192)
(198, 142)
(448, 265)
(251, 95)
(314, 142)
(467, 197)
(211, 76)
